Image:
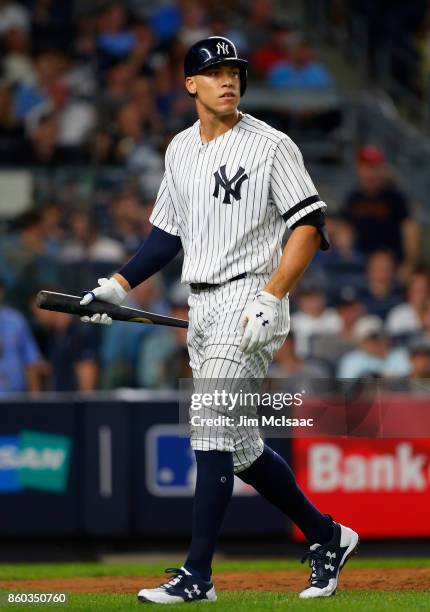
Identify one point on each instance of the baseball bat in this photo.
(51, 300)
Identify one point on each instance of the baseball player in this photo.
(232, 184)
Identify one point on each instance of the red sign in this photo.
(379, 487)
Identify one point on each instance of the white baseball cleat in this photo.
(183, 587)
(326, 561)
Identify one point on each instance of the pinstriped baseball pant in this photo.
(214, 336)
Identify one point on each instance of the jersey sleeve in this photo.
(291, 187)
(164, 214)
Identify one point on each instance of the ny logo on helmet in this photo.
(222, 47)
(221, 180)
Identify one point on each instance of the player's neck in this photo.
(213, 126)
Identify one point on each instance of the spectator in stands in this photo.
(419, 357)
(311, 317)
(17, 64)
(299, 372)
(53, 231)
(417, 380)
(70, 350)
(194, 23)
(20, 359)
(330, 347)
(277, 48)
(13, 15)
(372, 357)
(301, 70)
(128, 215)
(134, 148)
(379, 210)
(114, 38)
(342, 264)
(143, 97)
(165, 19)
(175, 107)
(425, 331)
(25, 264)
(116, 85)
(88, 253)
(382, 292)
(75, 117)
(407, 317)
(259, 19)
(43, 149)
(11, 131)
(130, 132)
(84, 43)
(121, 343)
(48, 66)
(163, 355)
(223, 23)
(51, 22)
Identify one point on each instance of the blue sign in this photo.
(170, 463)
(9, 464)
(171, 466)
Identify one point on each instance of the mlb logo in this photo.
(170, 463)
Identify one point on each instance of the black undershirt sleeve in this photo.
(156, 251)
(317, 219)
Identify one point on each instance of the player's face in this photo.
(217, 88)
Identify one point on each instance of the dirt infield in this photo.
(389, 579)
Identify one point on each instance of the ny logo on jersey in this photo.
(221, 180)
(222, 47)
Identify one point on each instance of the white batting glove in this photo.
(259, 322)
(109, 290)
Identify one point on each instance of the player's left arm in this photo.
(298, 253)
(299, 204)
(297, 199)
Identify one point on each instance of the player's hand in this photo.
(259, 322)
(109, 290)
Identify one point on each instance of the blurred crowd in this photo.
(394, 35)
(90, 95)
(362, 309)
(102, 82)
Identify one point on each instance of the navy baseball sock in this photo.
(273, 478)
(214, 487)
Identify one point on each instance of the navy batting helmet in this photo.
(211, 51)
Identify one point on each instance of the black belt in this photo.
(203, 286)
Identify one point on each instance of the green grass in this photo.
(345, 601)
(252, 602)
(68, 570)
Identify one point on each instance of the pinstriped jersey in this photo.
(229, 199)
